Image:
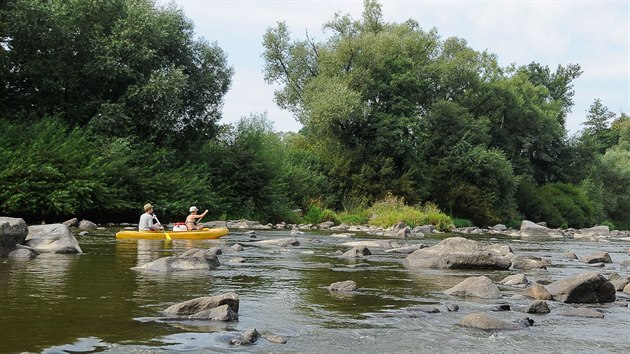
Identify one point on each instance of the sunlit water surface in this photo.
(94, 302)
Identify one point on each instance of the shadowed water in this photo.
(94, 302)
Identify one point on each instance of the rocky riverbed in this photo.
(305, 290)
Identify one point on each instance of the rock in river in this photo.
(589, 287)
(461, 253)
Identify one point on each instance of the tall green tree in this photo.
(122, 67)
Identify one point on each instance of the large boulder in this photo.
(597, 257)
(531, 230)
(593, 232)
(52, 238)
(204, 303)
(589, 287)
(179, 264)
(13, 232)
(279, 242)
(343, 286)
(481, 287)
(219, 313)
(461, 253)
(529, 262)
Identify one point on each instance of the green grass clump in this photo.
(353, 219)
(462, 222)
(392, 210)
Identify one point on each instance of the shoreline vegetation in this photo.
(104, 115)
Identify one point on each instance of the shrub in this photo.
(353, 219)
(462, 222)
(392, 210)
(316, 215)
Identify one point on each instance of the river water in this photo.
(94, 302)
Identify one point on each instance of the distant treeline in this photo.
(108, 105)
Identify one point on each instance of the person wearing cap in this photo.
(193, 218)
(148, 221)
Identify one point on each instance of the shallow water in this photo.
(94, 302)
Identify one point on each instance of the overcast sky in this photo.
(593, 34)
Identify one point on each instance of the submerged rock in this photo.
(204, 303)
(484, 321)
(517, 280)
(589, 287)
(279, 242)
(538, 292)
(481, 287)
(343, 286)
(580, 312)
(179, 264)
(248, 337)
(461, 253)
(357, 252)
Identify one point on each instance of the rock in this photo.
(461, 253)
(589, 287)
(518, 280)
(538, 292)
(500, 307)
(595, 231)
(481, 287)
(199, 304)
(486, 322)
(424, 229)
(275, 338)
(451, 307)
(529, 262)
(626, 289)
(13, 231)
(357, 252)
(407, 249)
(179, 264)
(87, 224)
(499, 228)
(325, 225)
(202, 253)
(237, 260)
(52, 238)
(530, 230)
(343, 286)
(385, 244)
(538, 306)
(248, 337)
(23, 253)
(219, 313)
(599, 257)
(580, 312)
(237, 247)
(570, 255)
(280, 242)
(619, 284)
(74, 222)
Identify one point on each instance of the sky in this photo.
(593, 34)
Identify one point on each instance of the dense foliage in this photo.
(107, 105)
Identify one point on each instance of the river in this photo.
(94, 302)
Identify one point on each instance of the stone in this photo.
(202, 253)
(13, 232)
(179, 264)
(273, 338)
(219, 313)
(237, 247)
(599, 257)
(626, 289)
(357, 252)
(248, 337)
(580, 312)
(237, 260)
(23, 253)
(484, 321)
(52, 238)
(530, 230)
(204, 303)
(570, 255)
(461, 253)
(538, 292)
(74, 222)
(538, 306)
(343, 286)
(518, 280)
(279, 242)
(619, 284)
(595, 231)
(589, 287)
(451, 307)
(87, 224)
(481, 287)
(529, 262)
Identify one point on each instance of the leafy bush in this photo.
(462, 223)
(353, 219)
(316, 215)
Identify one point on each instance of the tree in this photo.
(122, 67)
